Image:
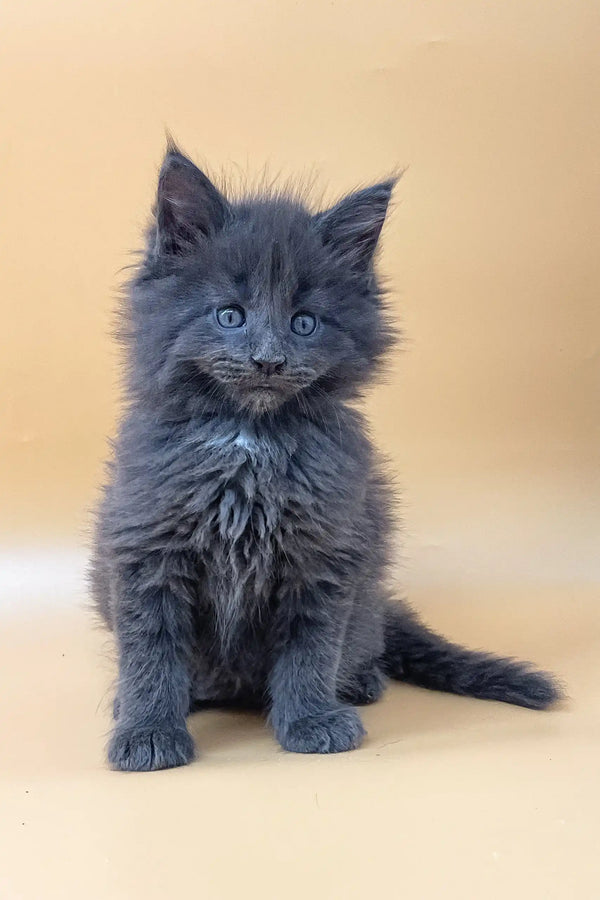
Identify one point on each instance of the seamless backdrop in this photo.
(490, 418)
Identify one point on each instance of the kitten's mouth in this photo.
(272, 384)
(262, 394)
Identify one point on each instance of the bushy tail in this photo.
(417, 655)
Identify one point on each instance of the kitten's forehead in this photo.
(271, 242)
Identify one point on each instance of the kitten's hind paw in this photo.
(329, 732)
(144, 749)
(363, 688)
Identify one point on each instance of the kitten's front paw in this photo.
(143, 749)
(329, 732)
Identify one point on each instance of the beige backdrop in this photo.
(490, 416)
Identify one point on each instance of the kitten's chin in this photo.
(259, 400)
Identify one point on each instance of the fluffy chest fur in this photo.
(268, 502)
(243, 508)
(240, 531)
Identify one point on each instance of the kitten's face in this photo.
(273, 303)
(264, 338)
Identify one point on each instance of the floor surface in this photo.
(448, 797)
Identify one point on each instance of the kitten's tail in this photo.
(417, 655)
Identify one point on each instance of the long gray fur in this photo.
(242, 542)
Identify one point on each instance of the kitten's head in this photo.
(256, 302)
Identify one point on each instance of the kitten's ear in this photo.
(352, 227)
(188, 205)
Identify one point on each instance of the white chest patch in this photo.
(247, 441)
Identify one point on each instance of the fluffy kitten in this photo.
(242, 541)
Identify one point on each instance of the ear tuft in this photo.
(172, 146)
(352, 227)
(189, 207)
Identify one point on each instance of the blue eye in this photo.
(303, 323)
(230, 316)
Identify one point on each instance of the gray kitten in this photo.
(242, 540)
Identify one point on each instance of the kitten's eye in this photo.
(303, 323)
(230, 316)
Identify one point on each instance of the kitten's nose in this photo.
(268, 364)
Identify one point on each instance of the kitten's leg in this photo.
(153, 631)
(306, 715)
(363, 687)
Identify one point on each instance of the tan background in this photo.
(490, 418)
